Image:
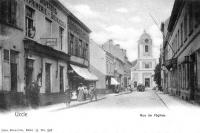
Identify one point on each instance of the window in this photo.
(76, 47)
(30, 29)
(176, 43)
(86, 51)
(190, 18)
(61, 31)
(84, 47)
(181, 34)
(178, 39)
(6, 55)
(48, 24)
(146, 48)
(80, 48)
(185, 27)
(71, 43)
(146, 65)
(8, 11)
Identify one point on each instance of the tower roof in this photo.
(145, 35)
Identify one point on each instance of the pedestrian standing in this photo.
(85, 92)
(68, 97)
(92, 92)
(80, 92)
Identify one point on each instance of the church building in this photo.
(142, 71)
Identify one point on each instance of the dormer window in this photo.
(146, 49)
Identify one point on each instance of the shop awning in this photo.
(84, 73)
(114, 82)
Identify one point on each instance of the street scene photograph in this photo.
(99, 66)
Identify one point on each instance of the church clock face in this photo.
(146, 40)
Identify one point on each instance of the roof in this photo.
(134, 63)
(144, 35)
(175, 12)
(70, 14)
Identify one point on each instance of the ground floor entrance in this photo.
(147, 82)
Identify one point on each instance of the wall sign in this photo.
(46, 8)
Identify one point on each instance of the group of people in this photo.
(84, 92)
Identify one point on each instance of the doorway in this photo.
(61, 80)
(29, 72)
(48, 78)
(193, 75)
(13, 70)
(147, 82)
(135, 84)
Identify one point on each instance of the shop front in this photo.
(48, 68)
(79, 75)
(171, 77)
(115, 85)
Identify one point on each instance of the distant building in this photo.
(121, 64)
(110, 66)
(105, 66)
(143, 70)
(98, 65)
(127, 73)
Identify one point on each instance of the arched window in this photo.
(146, 48)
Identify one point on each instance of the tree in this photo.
(157, 75)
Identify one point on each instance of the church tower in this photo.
(143, 70)
(145, 46)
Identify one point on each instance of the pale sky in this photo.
(122, 20)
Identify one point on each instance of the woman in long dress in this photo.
(80, 92)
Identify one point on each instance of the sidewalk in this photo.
(63, 106)
(175, 102)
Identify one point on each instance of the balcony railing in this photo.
(52, 42)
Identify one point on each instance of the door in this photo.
(29, 72)
(135, 83)
(193, 76)
(13, 67)
(48, 78)
(13, 70)
(61, 80)
(147, 82)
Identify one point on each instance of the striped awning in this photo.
(84, 73)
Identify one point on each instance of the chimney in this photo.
(110, 41)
